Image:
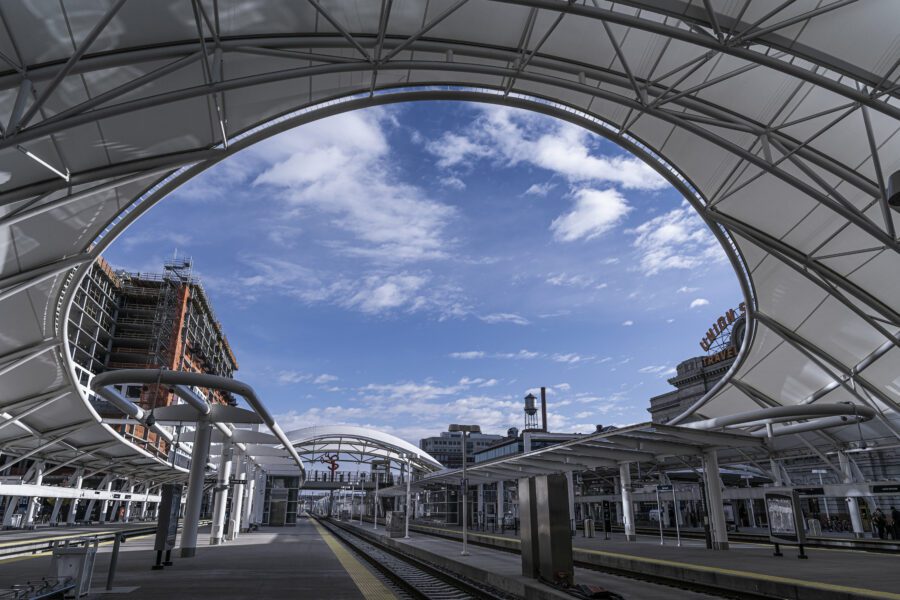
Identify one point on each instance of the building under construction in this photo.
(122, 320)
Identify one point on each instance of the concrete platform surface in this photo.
(291, 562)
(852, 572)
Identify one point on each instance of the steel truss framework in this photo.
(778, 131)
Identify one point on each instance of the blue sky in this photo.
(421, 264)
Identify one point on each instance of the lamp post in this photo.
(465, 430)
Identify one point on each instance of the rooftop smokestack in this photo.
(543, 408)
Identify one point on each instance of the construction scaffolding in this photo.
(125, 320)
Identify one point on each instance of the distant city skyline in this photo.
(407, 267)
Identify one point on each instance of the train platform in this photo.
(827, 573)
(304, 561)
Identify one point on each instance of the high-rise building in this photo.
(122, 320)
(446, 448)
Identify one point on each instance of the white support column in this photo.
(776, 472)
(480, 503)
(147, 488)
(73, 505)
(199, 458)
(11, 504)
(237, 502)
(570, 483)
(501, 505)
(257, 503)
(104, 505)
(54, 514)
(247, 518)
(33, 502)
(852, 503)
(627, 505)
(131, 486)
(408, 484)
(714, 507)
(221, 501)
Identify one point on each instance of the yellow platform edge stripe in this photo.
(370, 587)
(705, 568)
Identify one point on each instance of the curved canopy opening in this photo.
(786, 134)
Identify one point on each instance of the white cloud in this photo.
(678, 239)
(473, 354)
(376, 293)
(653, 369)
(325, 378)
(699, 302)
(540, 189)
(520, 355)
(627, 323)
(453, 149)
(468, 355)
(477, 382)
(511, 137)
(158, 238)
(341, 168)
(566, 280)
(453, 182)
(595, 212)
(380, 294)
(288, 377)
(571, 358)
(513, 318)
(687, 290)
(563, 386)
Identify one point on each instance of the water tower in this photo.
(531, 420)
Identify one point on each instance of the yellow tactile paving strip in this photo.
(368, 584)
(694, 567)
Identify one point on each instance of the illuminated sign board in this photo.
(721, 325)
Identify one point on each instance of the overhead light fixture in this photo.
(40, 160)
(893, 190)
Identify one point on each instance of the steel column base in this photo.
(720, 545)
(630, 538)
(188, 552)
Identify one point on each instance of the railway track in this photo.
(414, 578)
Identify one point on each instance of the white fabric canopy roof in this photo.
(356, 444)
(778, 120)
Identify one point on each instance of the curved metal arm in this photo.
(784, 413)
(204, 380)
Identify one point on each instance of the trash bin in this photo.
(588, 528)
(397, 526)
(16, 521)
(76, 561)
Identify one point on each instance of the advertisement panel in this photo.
(785, 519)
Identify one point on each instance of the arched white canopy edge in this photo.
(313, 442)
(785, 131)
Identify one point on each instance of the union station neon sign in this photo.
(721, 325)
